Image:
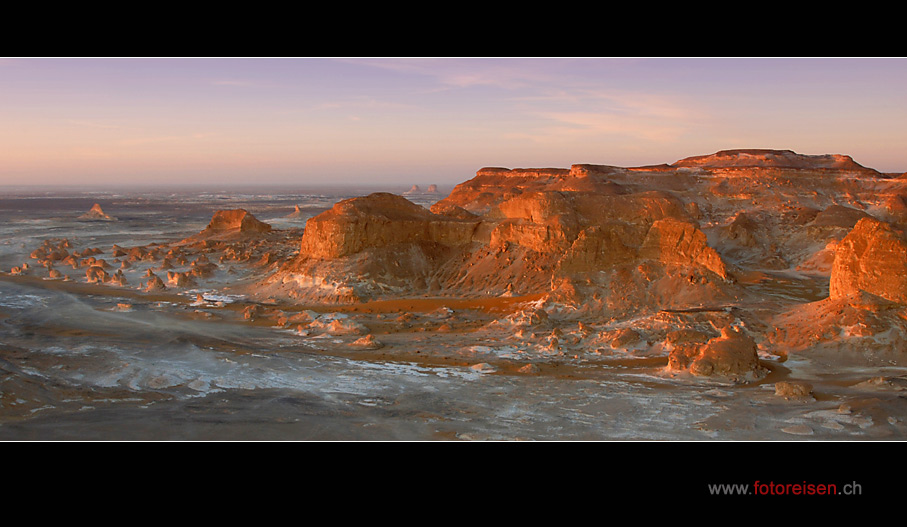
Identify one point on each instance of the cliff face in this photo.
(376, 221)
(492, 186)
(511, 232)
(675, 242)
(871, 258)
(606, 238)
(764, 158)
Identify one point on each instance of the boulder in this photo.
(793, 389)
(367, 342)
(731, 355)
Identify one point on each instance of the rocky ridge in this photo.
(695, 239)
(715, 262)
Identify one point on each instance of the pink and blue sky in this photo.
(324, 121)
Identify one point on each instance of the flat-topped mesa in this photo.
(767, 158)
(417, 190)
(379, 220)
(521, 172)
(549, 220)
(493, 185)
(96, 213)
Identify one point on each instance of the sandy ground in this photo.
(169, 368)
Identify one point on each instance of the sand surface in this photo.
(164, 369)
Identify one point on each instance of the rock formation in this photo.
(96, 274)
(367, 342)
(377, 221)
(569, 232)
(416, 190)
(683, 244)
(632, 236)
(671, 241)
(796, 390)
(767, 158)
(871, 258)
(180, 279)
(154, 283)
(231, 225)
(95, 213)
(380, 242)
(712, 261)
(732, 354)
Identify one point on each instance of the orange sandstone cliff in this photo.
(603, 238)
(872, 258)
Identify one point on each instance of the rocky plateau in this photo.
(721, 267)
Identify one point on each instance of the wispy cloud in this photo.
(453, 73)
(574, 125)
(571, 115)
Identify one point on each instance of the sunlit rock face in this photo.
(379, 220)
(732, 354)
(672, 241)
(231, 225)
(236, 219)
(491, 186)
(872, 258)
(526, 240)
(765, 158)
(607, 239)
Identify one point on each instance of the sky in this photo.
(421, 120)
